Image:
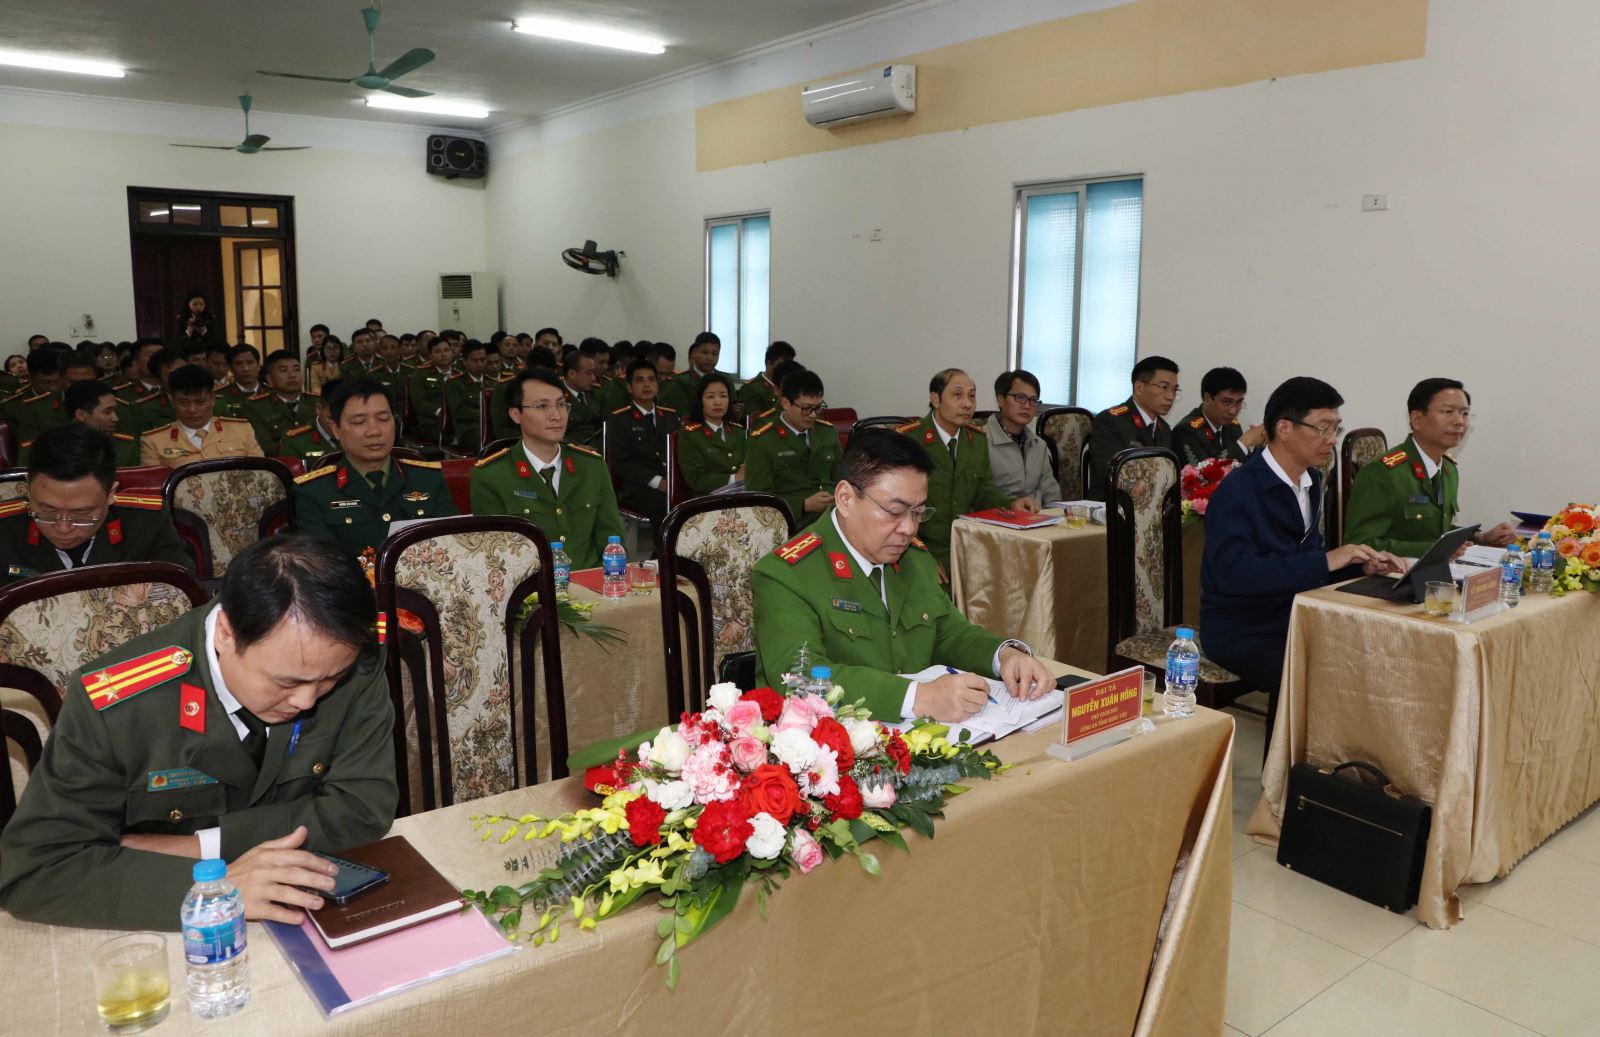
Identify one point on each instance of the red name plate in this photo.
(1480, 590)
(1103, 704)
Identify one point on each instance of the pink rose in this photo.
(805, 850)
(709, 775)
(878, 797)
(743, 715)
(802, 712)
(748, 753)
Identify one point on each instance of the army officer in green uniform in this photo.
(352, 503)
(198, 739)
(962, 480)
(74, 516)
(863, 593)
(794, 456)
(1406, 500)
(711, 451)
(562, 488)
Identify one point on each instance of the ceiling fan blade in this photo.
(207, 147)
(297, 75)
(301, 147)
(406, 91)
(410, 61)
(255, 140)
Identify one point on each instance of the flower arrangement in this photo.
(1199, 482)
(1576, 533)
(754, 788)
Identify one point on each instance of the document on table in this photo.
(1475, 560)
(1001, 715)
(1097, 509)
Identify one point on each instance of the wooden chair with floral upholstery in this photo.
(53, 624)
(713, 543)
(461, 664)
(1331, 519)
(13, 484)
(1359, 448)
(230, 503)
(1066, 431)
(1144, 570)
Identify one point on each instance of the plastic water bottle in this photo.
(1183, 673)
(1511, 576)
(214, 943)
(614, 569)
(562, 564)
(821, 683)
(1542, 563)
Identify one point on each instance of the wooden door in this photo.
(262, 300)
(166, 268)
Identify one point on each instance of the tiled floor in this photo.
(1306, 960)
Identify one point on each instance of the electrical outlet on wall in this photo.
(88, 324)
(1374, 203)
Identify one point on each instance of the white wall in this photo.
(1256, 253)
(372, 228)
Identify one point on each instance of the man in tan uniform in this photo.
(197, 434)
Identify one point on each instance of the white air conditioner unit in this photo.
(890, 90)
(469, 303)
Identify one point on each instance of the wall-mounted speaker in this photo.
(451, 157)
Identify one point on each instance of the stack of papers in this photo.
(1097, 509)
(1011, 519)
(1001, 716)
(1475, 560)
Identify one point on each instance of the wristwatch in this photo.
(1012, 642)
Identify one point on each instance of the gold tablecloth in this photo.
(1495, 723)
(1036, 910)
(1048, 586)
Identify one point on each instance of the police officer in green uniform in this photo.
(679, 393)
(95, 405)
(578, 379)
(312, 442)
(1406, 500)
(562, 488)
(244, 363)
(711, 451)
(284, 406)
(198, 739)
(794, 455)
(760, 395)
(352, 503)
(425, 390)
(38, 408)
(864, 594)
(1141, 421)
(961, 480)
(74, 516)
(636, 445)
(463, 396)
(1212, 429)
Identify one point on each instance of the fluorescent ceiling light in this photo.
(573, 32)
(428, 106)
(49, 63)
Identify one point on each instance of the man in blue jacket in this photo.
(1263, 541)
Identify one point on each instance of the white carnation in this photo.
(669, 795)
(669, 751)
(863, 734)
(766, 838)
(721, 696)
(795, 748)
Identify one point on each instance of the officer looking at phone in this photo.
(254, 730)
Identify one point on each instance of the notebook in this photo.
(1013, 519)
(414, 893)
(339, 980)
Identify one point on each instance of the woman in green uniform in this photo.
(711, 448)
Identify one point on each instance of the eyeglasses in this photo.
(1171, 387)
(75, 519)
(806, 411)
(1455, 412)
(919, 514)
(1326, 431)
(547, 406)
(1022, 399)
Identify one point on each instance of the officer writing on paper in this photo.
(253, 730)
(863, 592)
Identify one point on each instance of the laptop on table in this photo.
(1434, 565)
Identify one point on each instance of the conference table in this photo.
(1047, 586)
(1089, 897)
(1496, 723)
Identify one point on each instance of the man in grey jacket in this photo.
(1019, 459)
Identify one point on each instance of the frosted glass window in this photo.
(1075, 295)
(738, 285)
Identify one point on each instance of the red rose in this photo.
(899, 752)
(771, 703)
(644, 821)
(831, 733)
(846, 803)
(723, 829)
(770, 789)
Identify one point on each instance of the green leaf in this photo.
(761, 902)
(511, 920)
(895, 839)
(919, 822)
(869, 863)
(664, 928)
(666, 950)
(860, 831)
(683, 925)
(504, 898)
(672, 973)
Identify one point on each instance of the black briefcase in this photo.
(1363, 838)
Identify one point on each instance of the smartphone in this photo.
(1067, 680)
(352, 881)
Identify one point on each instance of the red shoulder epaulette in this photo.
(263, 394)
(13, 507)
(591, 451)
(825, 421)
(623, 410)
(799, 547)
(760, 430)
(693, 426)
(137, 500)
(315, 473)
(124, 680)
(908, 426)
(1118, 411)
(1393, 460)
(411, 462)
(492, 457)
(123, 436)
(918, 544)
(298, 430)
(669, 410)
(1198, 423)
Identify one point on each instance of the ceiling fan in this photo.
(374, 78)
(252, 143)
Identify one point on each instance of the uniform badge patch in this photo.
(1393, 460)
(415, 496)
(799, 547)
(845, 605)
(177, 778)
(841, 565)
